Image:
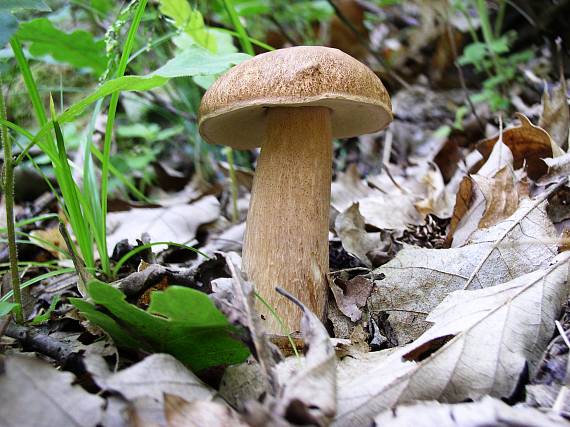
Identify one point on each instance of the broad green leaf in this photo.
(6, 307)
(198, 62)
(190, 21)
(194, 62)
(473, 53)
(78, 48)
(179, 321)
(8, 26)
(10, 5)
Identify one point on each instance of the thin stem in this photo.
(247, 47)
(500, 17)
(109, 128)
(233, 178)
(9, 202)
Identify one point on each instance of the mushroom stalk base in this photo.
(286, 238)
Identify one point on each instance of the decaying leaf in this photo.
(308, 395)
(480, 343)
(350, 228)
(177, 223)
(144, 384)
(486, 412)
(528, 143)
(418, 279)
(34, 392)
(494, 196)
(377, 207)
(181, 413)
(354, 297)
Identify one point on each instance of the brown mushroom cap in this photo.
(232, 111)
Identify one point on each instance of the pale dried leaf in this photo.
(501, 195)
(309, 393)
(350, 228)
(354, 298)
(145, 383)
(480, 343)
(486, 412)
(177, 223)
(418, 279)
(35, 393)
(181, 413)
(558, 167)
(376, 207)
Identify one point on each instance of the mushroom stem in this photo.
(286, 239)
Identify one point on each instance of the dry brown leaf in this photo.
(486, 412)
(501, 195)
(308, 394)
(36, 394)
(51, 240)
(480, 343)
(177, 223)
(494, 196)
(351, 301)
(145, 384)
(555, 117)
(376, 207)
(418, 279)
(181, 413)
(463, 201)
(528, 143)
(350, 228)
(558, 167)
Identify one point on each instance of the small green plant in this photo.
(491, 56)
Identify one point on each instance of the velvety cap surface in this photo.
(233, 109)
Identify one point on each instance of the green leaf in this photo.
(193, 62)
(179, 321)
(6, 307)
(198, 62)
(8, 26)
(10, 5)
(473, 53)
(252, 8)
(190, 21)
(78, 48)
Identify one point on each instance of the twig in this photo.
(282, 31)
(33, 340)
(366, 45)
(8, 182)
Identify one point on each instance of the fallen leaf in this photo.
(354, 297)
(376, 207)
(494, 196)
(418, 279)
(144, 384)
(528, 143)
(181, 413)
(177, 223)
(486, 412)
(35, 393)
(51, 240)
(480, 343)
(350, 228)
(555, 117)
(308, 395)
(558, 167)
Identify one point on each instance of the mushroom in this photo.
(292, 102)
